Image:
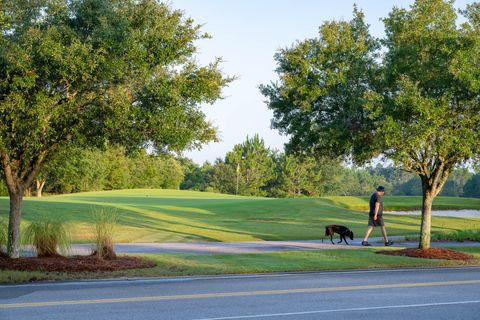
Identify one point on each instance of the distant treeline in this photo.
(264, 172)
(249, 169)
(80, 170)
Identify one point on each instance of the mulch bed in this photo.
(431, 253)
(74, 264)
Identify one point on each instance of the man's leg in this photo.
(384, 233)
(369, 231)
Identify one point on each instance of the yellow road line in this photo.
(234, 294)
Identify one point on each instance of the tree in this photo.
(144, 171)
(296, 175)
(255, 165)
(411, 187)
(196, 177)
(223, 177)
(304, 175)
(76, 169)
(472, 187)
(397, 180)
(117, 171)
(171, 172)
(417, 103)
(56, 163)
(87, 72)
(455, 185)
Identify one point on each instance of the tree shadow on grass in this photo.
(168, 220)
(152, 223)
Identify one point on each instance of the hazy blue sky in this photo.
(246, 34)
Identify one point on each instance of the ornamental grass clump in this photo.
(48, 237)
(105, 223)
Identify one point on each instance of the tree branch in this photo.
(449, 165)
(8, 174)
(36, 166)
(442, 182)
(436, 174)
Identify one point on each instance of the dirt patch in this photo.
(431, 253)
(74, 264)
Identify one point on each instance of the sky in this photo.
(246, 34)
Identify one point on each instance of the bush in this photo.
(47, 237)
(3, 235)
(105, 222)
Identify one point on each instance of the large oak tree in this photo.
(91, 72)
(412, 97)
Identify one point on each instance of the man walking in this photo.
(375, 216)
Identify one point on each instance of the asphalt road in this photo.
(447, 293)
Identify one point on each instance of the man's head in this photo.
(381, 190)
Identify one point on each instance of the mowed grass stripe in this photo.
(234, 294)
(186, 216)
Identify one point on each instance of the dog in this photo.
(341, 230)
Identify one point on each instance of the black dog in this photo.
(341, 230)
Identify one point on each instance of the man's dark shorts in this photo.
(375, 223)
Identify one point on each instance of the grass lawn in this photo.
(180, 264)
(173, 215)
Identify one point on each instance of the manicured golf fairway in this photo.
(172, 215)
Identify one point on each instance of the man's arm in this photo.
(377, 207)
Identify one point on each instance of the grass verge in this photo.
(181, 264)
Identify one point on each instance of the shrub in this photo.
(48, 236)
(105, 222)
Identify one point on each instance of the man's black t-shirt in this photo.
(374, 199)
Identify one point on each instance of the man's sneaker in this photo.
(366, 244)
(388, 243)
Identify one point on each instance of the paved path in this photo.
(247, 247)
(442, 293)
(253, 246)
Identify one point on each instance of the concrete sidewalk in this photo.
(254, 246)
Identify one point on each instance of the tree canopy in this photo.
(87, 72)
(412, 97)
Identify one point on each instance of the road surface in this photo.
(443, 293)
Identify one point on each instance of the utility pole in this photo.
(238, 176)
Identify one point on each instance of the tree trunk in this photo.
(27, 192)
(426, 218)
(13, 247)
(40, 184)
(17, 180)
